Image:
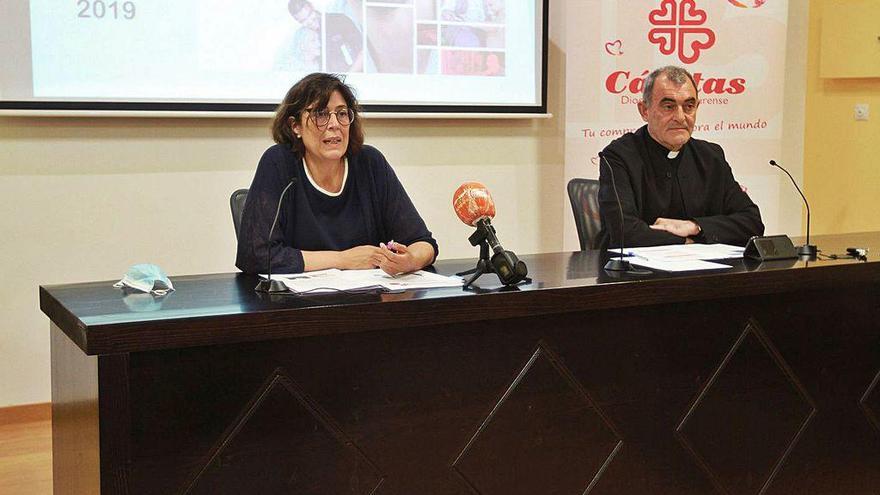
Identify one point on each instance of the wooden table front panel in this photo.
(756, 395)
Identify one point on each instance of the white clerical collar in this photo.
(672, 154)
(321, 189)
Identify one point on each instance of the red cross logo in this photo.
(678, 29)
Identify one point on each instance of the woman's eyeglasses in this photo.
(345, 116)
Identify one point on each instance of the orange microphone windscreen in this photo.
(472, 202)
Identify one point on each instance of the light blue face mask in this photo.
(146, 277)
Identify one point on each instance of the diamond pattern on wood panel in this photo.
(545, 430)
(748, 416)
(283, 442)
(870, 402)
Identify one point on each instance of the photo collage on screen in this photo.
(432, 37)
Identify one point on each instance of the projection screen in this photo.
(239, 57)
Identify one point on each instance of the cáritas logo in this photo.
(679, 29)
(622, 81)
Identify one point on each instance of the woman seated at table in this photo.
(346, 205)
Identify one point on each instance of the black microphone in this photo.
(807, 249)
(270, 285)
(618, 264)
(508, 267)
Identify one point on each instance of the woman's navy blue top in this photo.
(372, 208)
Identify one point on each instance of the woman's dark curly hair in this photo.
(314, 91)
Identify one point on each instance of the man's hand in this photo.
(681, 228)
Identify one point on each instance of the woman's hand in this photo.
(361, 258)
(393, 259)
(398, 258)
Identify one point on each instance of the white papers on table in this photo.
(682, 257)
(333, 280)
(686, 252)
(676, 266)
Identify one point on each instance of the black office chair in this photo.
(584, 197)
(236, 204)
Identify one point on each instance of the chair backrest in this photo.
(584, 197)
(236, 204)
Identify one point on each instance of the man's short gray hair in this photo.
(677, 75)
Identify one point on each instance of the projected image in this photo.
(427, 34)
(345, 37)
(301, 49)
(495, 11)
(493, 37)
(368, 36)
(472, 63)
(472, 10)
(426, 10)
(471, 37)
(408, 52)
(390, 38)
(478, 27)
(428, 62)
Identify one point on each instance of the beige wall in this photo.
(83, 199)
(842, 168)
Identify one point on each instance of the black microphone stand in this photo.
(807, 250)
(270, 285)
(483, 264)
(619, 265)
(481, 237)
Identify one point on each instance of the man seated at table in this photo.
(674, 189)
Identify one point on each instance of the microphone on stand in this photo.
(619, 264)
(474, 206)
(807, 249)
(270, 285)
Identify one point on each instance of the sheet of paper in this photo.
(685, 252)
(333, 280)
(676, 266)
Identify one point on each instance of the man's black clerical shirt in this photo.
(696, 185)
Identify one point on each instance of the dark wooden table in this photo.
(758, 379)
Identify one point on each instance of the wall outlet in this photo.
(862, 111)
